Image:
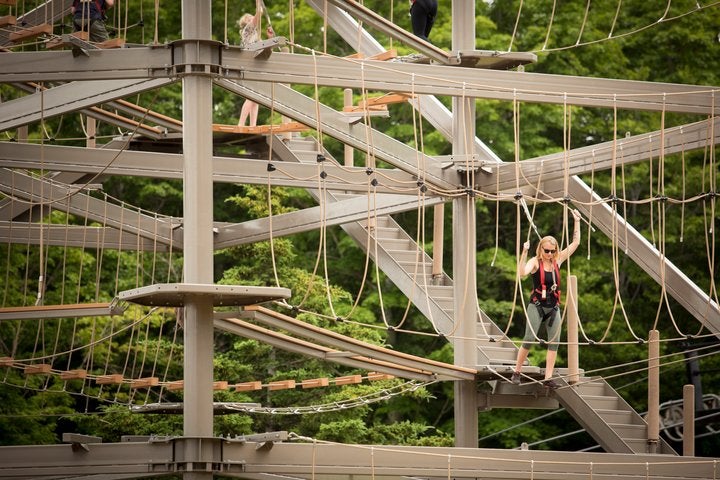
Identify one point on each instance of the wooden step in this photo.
(111, 43)
(30, 32)
(37, 369)
(77, 374)
(113, 379)
(8, 20)
(261, 129)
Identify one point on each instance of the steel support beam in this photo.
(65, 198)
(225, 169)
(70, 97)
(327, 461)
(235, 63)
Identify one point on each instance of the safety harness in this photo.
(540, 294)
(98, 4)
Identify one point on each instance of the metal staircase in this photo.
(597, 407)
(608, 418)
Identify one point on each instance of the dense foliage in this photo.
(678, 49)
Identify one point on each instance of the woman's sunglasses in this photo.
(548, 251)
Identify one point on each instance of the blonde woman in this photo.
(545, 298)
(249, 26)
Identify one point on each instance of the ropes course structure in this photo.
(92, 281)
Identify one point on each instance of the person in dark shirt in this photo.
(422, 17)
(89, 16)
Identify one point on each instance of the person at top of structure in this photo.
(250, 26)
(422, 17)
(89, 16)
(544, 306)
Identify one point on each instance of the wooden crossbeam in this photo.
(6, 361)
(114, 379)
(37, 369)
(176, 385)
(386, 55)
(30, 32)
(248, 386)
(73, 374)
(8, 2)
(375, 376)
(281, 385)
(8, 20)
(348, 380)
(315, 382)
(66, 40)
(386, 99)
(112, 43)
(261, 129)
(221, 385)
(144, 382)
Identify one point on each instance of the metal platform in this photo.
(175, 294)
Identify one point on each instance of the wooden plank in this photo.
(8, 2)
(315, 382)
(145, 382)
(261, 129)
(30, 32)
(281, 385)
(114, 379)
(375, 376)
(66, 41)
(221, 385)
(248, 386)
(176, 385)
(6, 361)
(37, 369)
(385, 99)
(8, 20)
(73, 374)
(371, 108)
(112, 43)
(348, 380)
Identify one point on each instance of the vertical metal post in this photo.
(438, 240)
(653, 415)
(572, 332)
(464, 243)
(91, 127)
(198, 237)
(689, 420)
(349, 151)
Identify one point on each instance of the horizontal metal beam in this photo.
(79, 236)
(227, 169)
(64, 198)
(596, 158)
(168, 61)
(306, 459)
(71, 97)
(353, 209)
